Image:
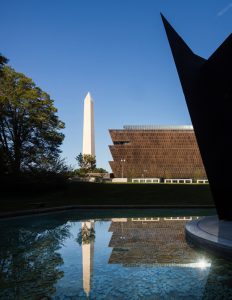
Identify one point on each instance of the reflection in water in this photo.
(219, 281)
(85, 238)
(120, 258)
(151, 241)
(87, 254)
(29, 261)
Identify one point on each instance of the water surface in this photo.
(108, 255)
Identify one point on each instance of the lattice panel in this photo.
(156, 153)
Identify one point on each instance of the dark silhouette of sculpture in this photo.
(207, 86)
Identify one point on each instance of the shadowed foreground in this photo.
(82, 193)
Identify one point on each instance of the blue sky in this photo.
(117, 50)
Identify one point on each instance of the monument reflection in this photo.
(88, 236)
(135, 242)
(63, 256)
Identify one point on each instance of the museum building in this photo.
(156, 152)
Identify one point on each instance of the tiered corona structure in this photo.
(156, 152)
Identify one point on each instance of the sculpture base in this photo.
(211, 234)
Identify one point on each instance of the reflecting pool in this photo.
(107, 255)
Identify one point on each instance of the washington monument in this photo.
(88, 127)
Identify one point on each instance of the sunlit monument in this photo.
(88, 127)
(207, 86)
(87, 255)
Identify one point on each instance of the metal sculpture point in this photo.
(207, 86)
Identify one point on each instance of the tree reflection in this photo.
(29, 262)
(86, 234)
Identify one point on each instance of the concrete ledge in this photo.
(211, 234)
(44, 210)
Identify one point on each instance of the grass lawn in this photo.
(83, 193)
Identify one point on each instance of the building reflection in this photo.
(158, 241)
(88, 237)
(151, 241)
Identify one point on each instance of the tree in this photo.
(86, 162)
(3, 61)
(100, 170)
(30, 134)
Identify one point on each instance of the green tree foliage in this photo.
(100, 170)
(80, 160)
(3, 61)
(29, 127)
(86, 162)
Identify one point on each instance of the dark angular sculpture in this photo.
(207, 86)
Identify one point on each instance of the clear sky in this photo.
(117, 50)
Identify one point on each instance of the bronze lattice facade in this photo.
(150, 241)
(156, 152)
